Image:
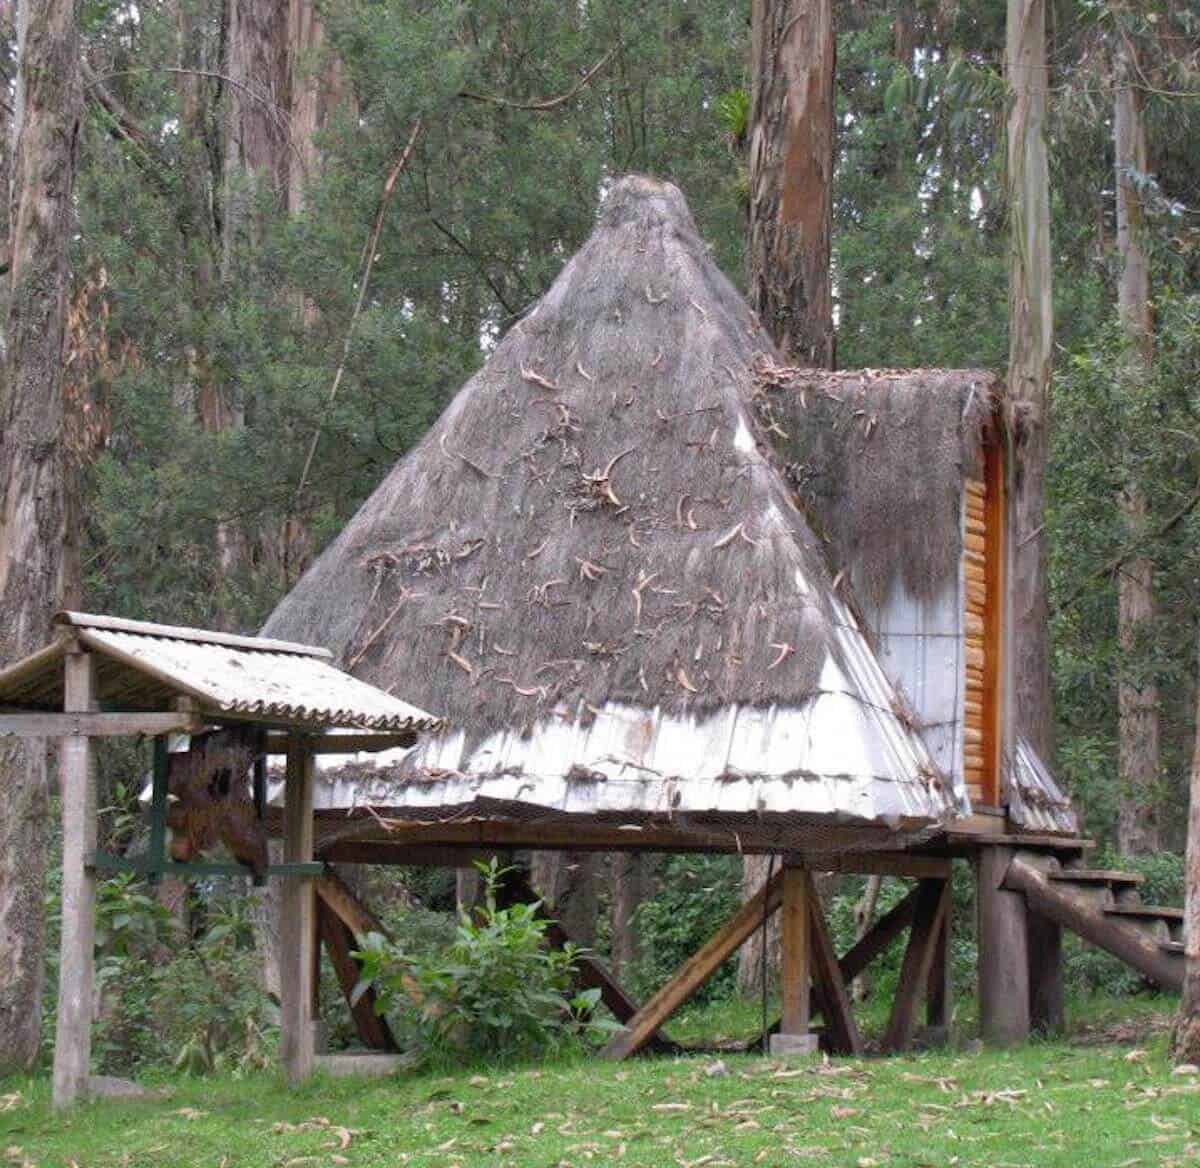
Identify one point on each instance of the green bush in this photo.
(497, 990)
(697, 895)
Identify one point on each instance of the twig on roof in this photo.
(537, 379)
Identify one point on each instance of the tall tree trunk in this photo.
(35, 476)
(791, 175)
(1187, 1029)
(632, 879)
(1137, 704)
(792, 52)
(567, 882)
(1031, 335)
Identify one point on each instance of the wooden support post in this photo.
(1003, 952)
(939, 997)
(932, 899)
(1045, 974)
(76, 965)
(795, 1035)
(297, 933)
(841, 1031)
(696, 971)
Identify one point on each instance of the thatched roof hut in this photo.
(594, 567)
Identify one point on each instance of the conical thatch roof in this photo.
(593, 569)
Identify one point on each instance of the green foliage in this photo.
(697, 895)
(497, 990)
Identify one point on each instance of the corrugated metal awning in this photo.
(142, 666)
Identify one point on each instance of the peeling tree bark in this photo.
(791, 175)
(1031, 335)
(1137, 705)
(35, 477)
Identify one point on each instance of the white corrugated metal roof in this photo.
(844, 754)
(245, 677)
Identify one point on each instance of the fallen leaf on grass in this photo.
(840, 1112)
(1136, 1056)
(11, 1101)
(189, 1112)
(1182, 1069)
(671, 1107)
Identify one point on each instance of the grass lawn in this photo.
(1105, 1098)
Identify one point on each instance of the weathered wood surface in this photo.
(1102, 928)
(339, 943)
(1003, 951)
(939, 994)
(841, 1031)
(76, 966)
(297, 921)
(933, 898)
(795, 968)
(93, 725)
(1045, 974)
(696, 971)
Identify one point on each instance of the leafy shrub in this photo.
(697, 895)
(496, 990)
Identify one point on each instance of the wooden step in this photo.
(1098, 876)
(1152, 911)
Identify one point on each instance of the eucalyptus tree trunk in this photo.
(1031, 335)
(1137, 702)
(791, 175)
(792, 51)
(1187, 1029)
(35, 476)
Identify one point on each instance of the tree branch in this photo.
(367, 262)
(1109, 567)
(546, 104)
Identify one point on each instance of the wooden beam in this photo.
(345, 743)
(1045, 974)
(339, 943)
(1054, 899)
(297, 930)
(76, 966)
(1003, 952)
(932, 898)
(696, 970)
(795, 1034)
(841, 1030)
(939, 994)
(93, 725)
(881, 934)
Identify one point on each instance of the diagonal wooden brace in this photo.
(696, 970)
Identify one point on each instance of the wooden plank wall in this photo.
(983, 567)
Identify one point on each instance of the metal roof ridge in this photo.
(116, 624)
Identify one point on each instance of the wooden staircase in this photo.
(1105, 908)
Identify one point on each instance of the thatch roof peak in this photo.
(596, 524)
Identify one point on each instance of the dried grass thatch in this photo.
(597, 518)
(879, 458)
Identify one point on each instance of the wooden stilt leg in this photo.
(695, 971)
(1045, 974)
(829, 985)
(939, 1001)
(932, 899)
(795, 1035)
(76, 967)
(1003, 952)
(296, 929)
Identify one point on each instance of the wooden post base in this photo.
(793, 1045)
